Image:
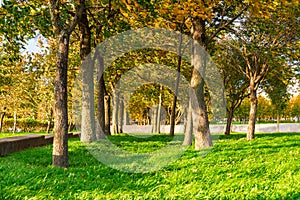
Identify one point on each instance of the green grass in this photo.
(4, 135)
(266, 168)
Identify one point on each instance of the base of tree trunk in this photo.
(60, 161)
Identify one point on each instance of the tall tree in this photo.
(62, 31)
(263, 46)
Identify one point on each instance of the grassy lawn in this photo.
(4, 135)
(266, 168)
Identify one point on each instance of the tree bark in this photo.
(277, 121)
(1, 119)
(88, 109)
(253, 109)
(154, 118)
(115, 113)
(188, 132)
(101, 94)
(62, 34)
(49, 121)
(202, 134)
(60, 141)
(229, 120)
(159, 113)
(121, 115)
(107, 114)
(15, 122)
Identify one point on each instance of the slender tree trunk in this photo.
(88, 109)
(121, 115)
(115, 114)
(229, 120)
(126, 116)
(62, 32)
(173, 111)
(15, 122)
(154, 118)
(159, 111)
(1, 120)
(60, 141)
(277, 121)
(49, 121)
(188, 132)
(253, 109)
(107, 114)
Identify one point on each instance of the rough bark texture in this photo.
(62, 35)
(158, 118)
(253, 109)
(88, 109)
(202, 135)
(60, 141)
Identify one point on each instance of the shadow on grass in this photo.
(258, 135)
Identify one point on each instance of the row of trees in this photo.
(255, 45)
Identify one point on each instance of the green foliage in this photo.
(266, 168)
(25, 124)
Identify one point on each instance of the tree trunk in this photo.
(1, 120)
(88, 109)
(158, 122)
(121, 115)
(60, 141)
(101, 93)
(277, 121)
(49, 121)
(15, 122)
(107, 114)
(203, 138)
(253, 109)
(173, 111)
(188, 132)
(229, 121)
(154, 118)
(115, 114)
(126, 117)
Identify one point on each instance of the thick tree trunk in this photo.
(115, 113)
(188, 132)
(229, 120)
(88, 109)
(60, 141)
(107, 114)
(253, 109)
(202, 134)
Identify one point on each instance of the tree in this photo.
(235, 83)
(62, 32)
(262, 46)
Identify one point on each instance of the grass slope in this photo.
(266, 168)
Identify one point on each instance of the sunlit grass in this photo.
(266, 168)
